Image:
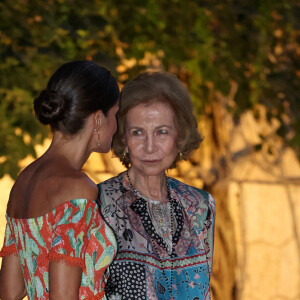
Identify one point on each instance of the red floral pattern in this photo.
(74, 233)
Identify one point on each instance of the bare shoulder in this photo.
(20, 186)
(79, 185)
(36, 193)
(64, 187)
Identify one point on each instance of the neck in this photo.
(153, 187)
(72, 150)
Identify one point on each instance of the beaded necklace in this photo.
(140, 195)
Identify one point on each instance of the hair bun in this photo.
(49, 107)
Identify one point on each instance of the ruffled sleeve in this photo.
(71, 232)
(9, 246)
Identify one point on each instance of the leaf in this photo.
(56, 241)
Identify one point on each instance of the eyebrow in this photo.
(134, 127)
(169, 126)
(138, 127)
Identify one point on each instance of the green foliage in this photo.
(209, 44)
(35, 38)
(19, 130)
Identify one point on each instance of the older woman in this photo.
(164, 228)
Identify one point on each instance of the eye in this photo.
(162, 131)
(136, 132)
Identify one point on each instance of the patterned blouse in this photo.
(73, 232)
(143, 269)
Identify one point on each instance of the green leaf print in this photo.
(56, 241)
(40, 223)
(8, 236)
(79, 243)
(99, 237)
(7, 232)
(21, 258)
(83, 280)
(65, 217)
(90, 271)
(70, 234)
(77, 203)
(38, 287)
(110, 236)
(30, 289)
(77, 216)
(34, 264)
(94, 257)
(89, 265)
(63, 251)
(35, 231)
(19, 232)
(34, 248)
(29, 263)
(46, 279)
(105, 257)
(29, 246)
(88, 215)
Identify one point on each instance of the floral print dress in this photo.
(74, 233)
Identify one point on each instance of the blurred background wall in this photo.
(241, 63)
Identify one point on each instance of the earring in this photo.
(98, 143)
(125, 153)
(98, 131)
(179, 154)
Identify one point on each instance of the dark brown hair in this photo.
(152, 87)
(74, 91)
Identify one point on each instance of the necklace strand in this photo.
(140, 195)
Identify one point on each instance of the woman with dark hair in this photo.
(56, 244)
(164, 228)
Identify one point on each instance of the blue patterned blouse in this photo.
(139, 272)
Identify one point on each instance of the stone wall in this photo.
(265, 208)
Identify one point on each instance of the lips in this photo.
(151, 161)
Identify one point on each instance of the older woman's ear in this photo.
(124, 141)
(179, 154)
(180, 145)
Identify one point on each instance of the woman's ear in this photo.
(98, 115)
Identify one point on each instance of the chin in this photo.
(148, 171)
(102, 150)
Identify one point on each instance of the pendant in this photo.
(158, 211)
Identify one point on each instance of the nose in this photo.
(149, 144)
